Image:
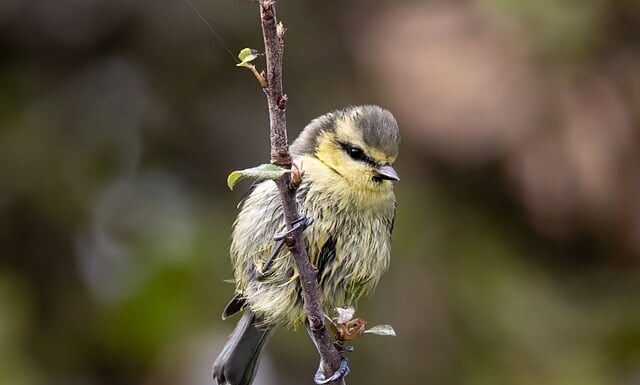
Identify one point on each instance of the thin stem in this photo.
(277, 101)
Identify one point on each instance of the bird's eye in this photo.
(356, 153)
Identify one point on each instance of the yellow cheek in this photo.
(332, 155)
(357, 175)
(355, 172)
(329, 152)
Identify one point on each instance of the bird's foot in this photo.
(320, 378)
(299, 224)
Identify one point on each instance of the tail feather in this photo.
(237, 362)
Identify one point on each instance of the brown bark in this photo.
(277, 101)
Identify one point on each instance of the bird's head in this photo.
(358, 143)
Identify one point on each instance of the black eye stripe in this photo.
(356, 153)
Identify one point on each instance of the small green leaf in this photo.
(246, 56)
(262, 172)
(382, 330)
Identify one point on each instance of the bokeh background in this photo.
(516, 253)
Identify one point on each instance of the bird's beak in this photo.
(386, 172)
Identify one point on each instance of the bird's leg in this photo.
(320, 377)
(301, 223)
(276, 250)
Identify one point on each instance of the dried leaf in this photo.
(382, 330)
(296, 176)
(351, 330)
(344, 314)
(262, 172)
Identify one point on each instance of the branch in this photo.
(277, 100)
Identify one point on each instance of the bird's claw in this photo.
(299, 224)
(342, 371)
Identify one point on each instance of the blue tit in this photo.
(346, 157)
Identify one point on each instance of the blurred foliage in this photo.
(517, 242)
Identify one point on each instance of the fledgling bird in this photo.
(347, 189)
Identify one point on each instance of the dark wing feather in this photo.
(234, 306)
(326, 258)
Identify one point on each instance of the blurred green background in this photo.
(516, 256)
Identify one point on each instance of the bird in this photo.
(346, 160)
